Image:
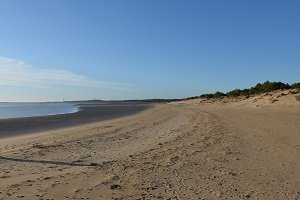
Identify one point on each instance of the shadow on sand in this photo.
(74, 164)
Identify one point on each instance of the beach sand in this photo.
(198, 149)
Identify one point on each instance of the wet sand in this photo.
(88, 113)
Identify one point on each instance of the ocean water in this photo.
(17, 110)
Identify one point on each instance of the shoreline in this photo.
(87, 113)
(185, 150)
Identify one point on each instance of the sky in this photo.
(115, 49)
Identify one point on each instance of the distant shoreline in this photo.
(88, 113)
(22, 110)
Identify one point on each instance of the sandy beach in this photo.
(198, 149)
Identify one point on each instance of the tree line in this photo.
(257, 89)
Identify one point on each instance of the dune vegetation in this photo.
(257, 89)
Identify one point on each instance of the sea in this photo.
(20, 110)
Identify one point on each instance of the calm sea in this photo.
(16, 110)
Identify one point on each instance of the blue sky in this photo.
(59, 49)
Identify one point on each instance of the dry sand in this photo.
(228, 149)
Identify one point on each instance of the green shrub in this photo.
(234, 93)
(257, 89)
(295, 86)
(219, 95)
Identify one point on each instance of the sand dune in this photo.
(228, 149)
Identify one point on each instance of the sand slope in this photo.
(188, 150)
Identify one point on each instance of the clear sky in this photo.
(116, 49)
